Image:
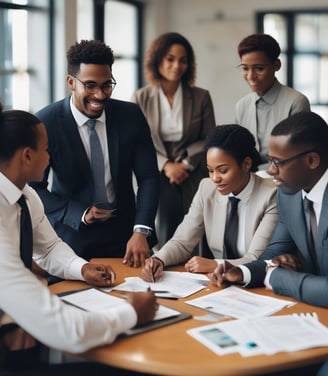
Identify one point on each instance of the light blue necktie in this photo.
(97, 164)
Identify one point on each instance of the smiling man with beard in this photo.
(115, 224)
(295, 263)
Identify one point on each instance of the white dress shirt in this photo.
(28, 302)
(100, 128)
(171, 122)
(244, 197)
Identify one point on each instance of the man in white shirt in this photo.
(42, 316)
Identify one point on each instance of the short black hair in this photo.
(306, 129)
(235, 140)
(260, 42)
(88, 52)
(18, 129)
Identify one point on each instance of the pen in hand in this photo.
(151, 269)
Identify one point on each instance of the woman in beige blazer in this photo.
(231, 161)
(180, 116)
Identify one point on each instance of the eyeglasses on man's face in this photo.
(92, 87)
(279, 163)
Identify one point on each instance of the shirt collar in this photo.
(317, 192)
(177, 95)
(246, 193)
(80, 118)
(271, 96)
(9, 190)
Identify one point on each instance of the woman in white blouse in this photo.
(180, 116)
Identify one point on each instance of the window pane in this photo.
(276, 26)
(125, 73)
(323, 31)
(306, 33)
(122, 39)
(307, 83)
(85, 19)
(311, 33)
(24, 62)
(323, 80)
(14, 83)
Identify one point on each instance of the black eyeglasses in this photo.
(276, 163)
(92, 87)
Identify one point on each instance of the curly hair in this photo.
(156, 53)
(88, 52)
(235, 140)
(260, 42)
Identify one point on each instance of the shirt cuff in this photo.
(82, 219)
(75, 269)
(267, 278)
(190, 167)
(127, 316)
(246, 274)
(219, 261)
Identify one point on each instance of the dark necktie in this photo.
(26, 235)
(231, 229)
(97, 164)
(311, 223)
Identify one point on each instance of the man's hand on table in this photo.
(98, 274)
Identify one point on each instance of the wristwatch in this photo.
(143, 230)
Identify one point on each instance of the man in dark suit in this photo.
(121, 224)
(294, 264)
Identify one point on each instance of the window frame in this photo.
(291, 52)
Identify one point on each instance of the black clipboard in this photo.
(156, 324)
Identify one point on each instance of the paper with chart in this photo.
(264, 335)
(178, 284)
(238, 303)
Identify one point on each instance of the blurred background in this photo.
(35, 34)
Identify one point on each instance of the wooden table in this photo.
(171, 351)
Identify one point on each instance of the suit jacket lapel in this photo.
(187, 109)
(301, 232)
(112, 128)
(73, 134)
(321, 240)
(153, 115)
(221, 204)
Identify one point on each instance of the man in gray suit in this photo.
(292, 264)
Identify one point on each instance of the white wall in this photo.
(214, 28)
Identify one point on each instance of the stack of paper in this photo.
(266, 335)
(177, 284)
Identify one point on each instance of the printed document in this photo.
(264, 335)
(238, 303)
(177, 284)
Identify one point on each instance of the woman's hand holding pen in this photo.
(153, 269)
